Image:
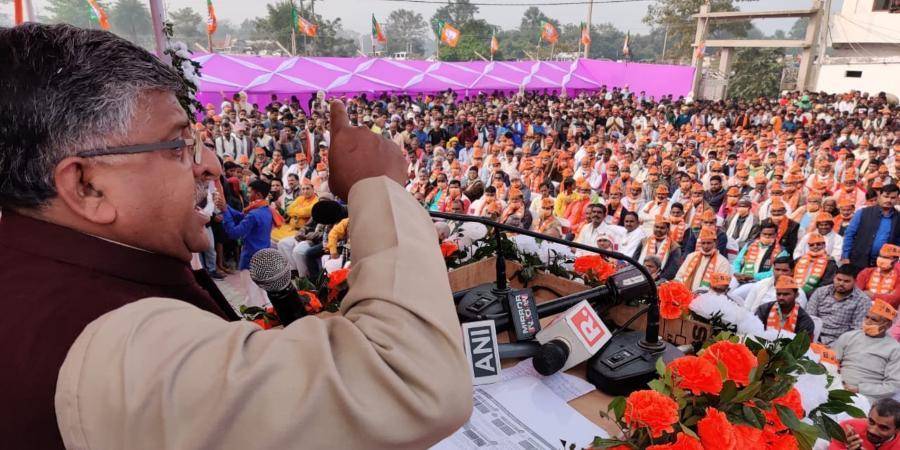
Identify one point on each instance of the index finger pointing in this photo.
(339, 119)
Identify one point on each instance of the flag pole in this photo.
(372, 37)
(157, 17)
(293, 29)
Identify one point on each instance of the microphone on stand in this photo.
(570, 339)
(269, 270)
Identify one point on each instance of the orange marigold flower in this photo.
(792, 401)
(736, 358)
(683, 442)
(748, 437)
(780, 441)
(314, 305)
(650, 409)
(448, 249)
(336, 278)
(697, 375)
(716, 431)
(594, 266)
(674, 299)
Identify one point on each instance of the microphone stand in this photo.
(651, 340)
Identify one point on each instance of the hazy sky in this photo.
(356, 14)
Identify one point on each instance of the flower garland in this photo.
(188, 69)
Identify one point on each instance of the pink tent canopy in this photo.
(262, 76)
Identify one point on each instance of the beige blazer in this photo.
(389, 373)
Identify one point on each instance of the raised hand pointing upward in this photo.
(357, 153)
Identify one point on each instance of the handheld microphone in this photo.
(269, 270)
(570, 339)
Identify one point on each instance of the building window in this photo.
(886, 5)
(853, 74)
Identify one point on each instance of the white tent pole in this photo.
(158, 17)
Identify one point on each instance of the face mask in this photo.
(766, 240)
(777, 219)
(884, 263)
(707, 253)
(871, 330)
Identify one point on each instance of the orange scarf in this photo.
(782, 229)
(750, 258)
(774, 320)
(277, 220)
(694, 263)
(809, 270)
(654, 247)
(880, 284)
(677, 232)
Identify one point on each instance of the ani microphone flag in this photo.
(211, 22)
(549, 33)
(625, 50)
(377, 32)
(306, 27)
(449, 34)
(585, 35)
(98, 14)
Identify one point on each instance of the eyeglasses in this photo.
(193, 145)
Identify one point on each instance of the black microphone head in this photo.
(269, 270)
(328, 212)
(551, 357)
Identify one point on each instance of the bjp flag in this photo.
(449, 34)
(549, 33)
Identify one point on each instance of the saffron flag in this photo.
(549, 33)
(700, 50)
(98, 14)
(377, 32)
(625, 50)
(495, 46)
(211, 23)
(306, 27)
(585, 35)
(449, 34)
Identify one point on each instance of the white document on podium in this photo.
(521, 413)
(565, 386)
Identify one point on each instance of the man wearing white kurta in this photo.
(597, 226)
(698, 267)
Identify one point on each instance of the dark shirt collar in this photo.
(58, 243)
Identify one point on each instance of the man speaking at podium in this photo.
(99, 184)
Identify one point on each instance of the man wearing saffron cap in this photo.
(661, 245)
(882, 282)
(816, 267)
(659, 205)
(824, 225)
(785, 313)
(869, 357)
(698, 266)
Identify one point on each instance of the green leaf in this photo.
(617, 406)
(729, 391)
(748, 392)
(688, 431)
(607, 443)
(833, 429)
(754, 418)
(840, 395)
(660, 367)
(798, 346)
(659, 386)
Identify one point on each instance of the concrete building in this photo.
(865, 49)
